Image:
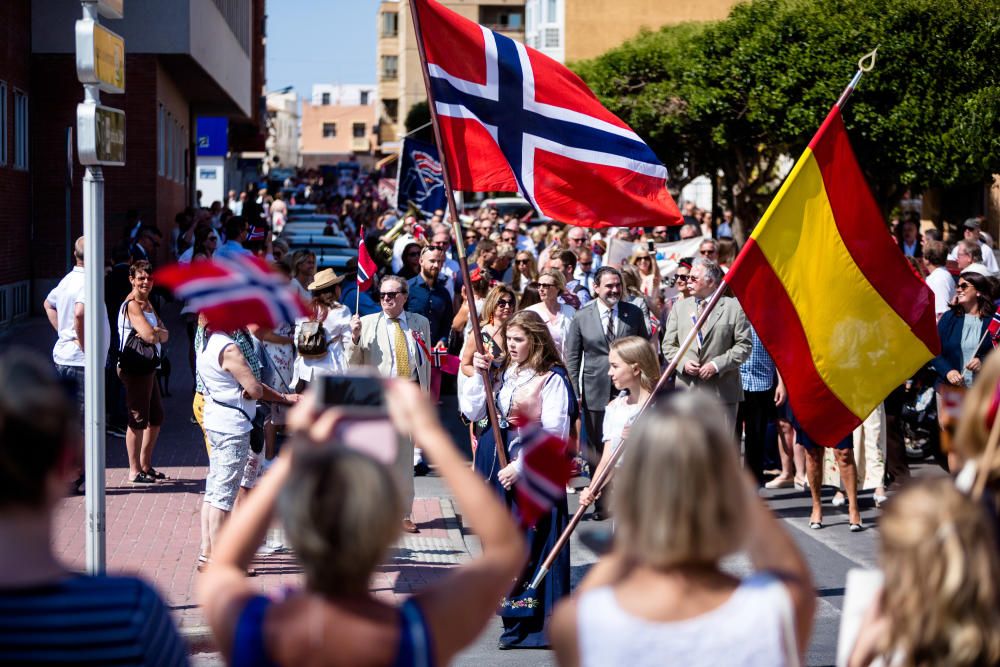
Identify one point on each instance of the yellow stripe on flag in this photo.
(850, 328)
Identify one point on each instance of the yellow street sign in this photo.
(109, 58)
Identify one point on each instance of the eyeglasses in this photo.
(706, 253)
(388, 295)
(681, 279)
(586, 263)
(964, 286)
(542, 286)
(579, 240)
(505, 303)
(522, 261)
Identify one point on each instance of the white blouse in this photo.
(617, 417)
(338, 331)
(558, 324)
(553, 396)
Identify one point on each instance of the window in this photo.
(3, 124)
(391, 110)
(365, 94)
(552, 38)
(551, 11)
(168, 146)
(20, 130)
(325, 99)
(499, 17)
(358, 130)
(329, 130)
(390, 67)
(390, 24)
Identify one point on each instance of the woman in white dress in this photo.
(557, 316)
(634, 371)
(325, 355)
(661, 591)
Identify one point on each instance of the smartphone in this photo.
(366, 426)
(651, 246)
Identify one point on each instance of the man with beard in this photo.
(595, 326)
(429, 295)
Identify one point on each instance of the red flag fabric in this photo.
(234, 292)
(994, 329)
(512, 118)
(366, 266)
(545, 470)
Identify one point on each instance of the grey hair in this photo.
(974, 250)
(403, 286)
(712, 269)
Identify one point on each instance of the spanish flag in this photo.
(831, 296)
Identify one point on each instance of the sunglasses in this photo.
(505, 303)
(586, 263)
(681, 279)
(388, 295)
(523, 261)
(706, 253)
(546, 285)
(964, 286)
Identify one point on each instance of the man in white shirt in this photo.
(971, 233)
(64, 306)
(236, 234)
(938, 278)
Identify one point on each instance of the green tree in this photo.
(734, 96)
(418, 116)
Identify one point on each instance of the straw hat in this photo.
(323, 279)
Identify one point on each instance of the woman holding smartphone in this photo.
(341, 510)
(533, 386)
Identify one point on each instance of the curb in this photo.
(199, 639)
(455, 533)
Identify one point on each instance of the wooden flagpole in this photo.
(456, 230)
(865, 64)
(357, 283)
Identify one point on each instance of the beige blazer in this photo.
(725, 342)
(374, 346)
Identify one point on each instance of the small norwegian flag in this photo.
(234, 292)
(546, 469)
(994, 329)
(448, 363)
(366, 265)
(418, 231)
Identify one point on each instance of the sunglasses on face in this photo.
(388, 295)
(586, 263)
(681, 279)
(706, 253)
(523, 261)
(542, 286)
(505, 303)
(964, 286)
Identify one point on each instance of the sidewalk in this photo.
(154, 531)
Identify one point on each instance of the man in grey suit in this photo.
(594, 327)
(712, 363)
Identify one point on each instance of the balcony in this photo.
(360, 144)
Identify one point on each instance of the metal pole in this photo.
(69, 190)
(456, 230)
(94, 346)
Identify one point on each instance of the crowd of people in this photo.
(571, 343)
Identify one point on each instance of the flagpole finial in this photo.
(867, 62)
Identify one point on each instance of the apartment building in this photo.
(340, 129)
(400, 82)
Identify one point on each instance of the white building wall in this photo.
(347, 94)
(545, 27)
(210, 178)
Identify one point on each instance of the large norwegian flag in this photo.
(234, 292)
(514, 119)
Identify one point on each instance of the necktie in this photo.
(400, 350)
(610, 334)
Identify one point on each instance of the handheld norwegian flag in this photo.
(366, 265)
(545, 470)
(234, 292)
(511, 118)
(994, 329)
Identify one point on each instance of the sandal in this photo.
(203, 562)
(142, 478)
(154, 473)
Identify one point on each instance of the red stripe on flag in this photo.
(865, 234)
(447, 33)
(764, 299)
(466, 142)
(610, 190)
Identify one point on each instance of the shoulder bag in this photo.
(137, 357)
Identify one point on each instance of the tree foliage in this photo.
(734, 96)
(419, 116)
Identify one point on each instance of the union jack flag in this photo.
(511, 118)
(234, 292)
(545, 470)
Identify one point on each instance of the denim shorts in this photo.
(226, 464)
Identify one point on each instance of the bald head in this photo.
(78, 251)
